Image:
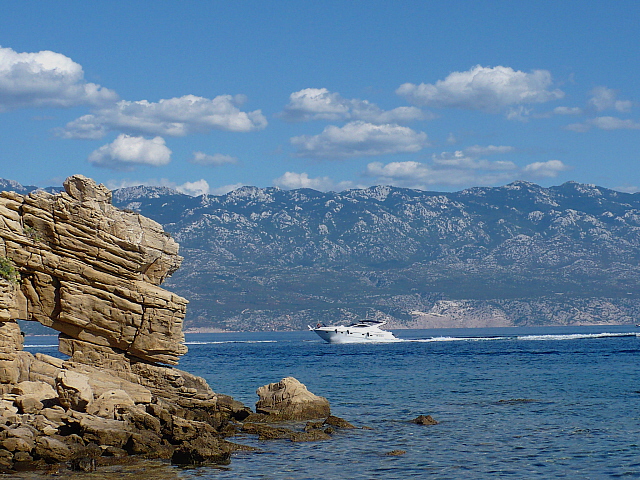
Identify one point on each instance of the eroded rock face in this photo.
(92, 271)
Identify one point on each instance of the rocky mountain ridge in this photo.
(520, 254)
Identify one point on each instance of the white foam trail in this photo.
(457, 339)
(576, 336)
(40, 346)
(230, 341)
(546, 337)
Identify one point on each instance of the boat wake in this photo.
(228, 341)
(547, 337)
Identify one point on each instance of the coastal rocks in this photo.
(80, 266)
(395, 453)
(75, 263)
(74, 390)
(289, 399)
(312, 432)
(424, 420)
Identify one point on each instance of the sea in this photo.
(525, 403)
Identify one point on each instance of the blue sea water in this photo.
(521, 403)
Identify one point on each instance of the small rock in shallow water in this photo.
(395, 453)
(337, 422)
(425, 420)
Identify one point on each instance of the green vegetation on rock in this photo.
(8, 270)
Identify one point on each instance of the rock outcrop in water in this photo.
(289, 399)
(75, 263)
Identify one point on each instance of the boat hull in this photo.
(353, 335)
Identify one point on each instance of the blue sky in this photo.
(208, 96)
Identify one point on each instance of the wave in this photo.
(230, 341)
(457, 339)
(41, 346)
(576, 336)
(545, 337)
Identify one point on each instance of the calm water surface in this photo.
(520, 403)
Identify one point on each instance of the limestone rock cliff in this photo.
(77, 264)
(92, 271)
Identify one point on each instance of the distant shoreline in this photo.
(394, 327)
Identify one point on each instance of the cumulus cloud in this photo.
(215, 160)
(459, 159)
(174, 117)
(459, 168)
(603, 98)
(567, 111)
(126, 152)
(484, 88)
(479, 150)
(46, 79)
(195, 189)
(627, 189)
(292, 180)
(357, 139)
(548, 169)
(604, 123)
(419, 175)
(321, 104)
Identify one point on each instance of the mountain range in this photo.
(519, 254)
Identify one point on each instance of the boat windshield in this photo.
(368, 323)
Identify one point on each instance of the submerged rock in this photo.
(425, 420)
(396, 453)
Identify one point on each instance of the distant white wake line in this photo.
(576, 336)
(230, 341)
(573, 336)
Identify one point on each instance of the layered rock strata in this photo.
(92, 271)
(75, 263)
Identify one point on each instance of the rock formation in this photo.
(92, 272)
(75, 263)
(289, 399)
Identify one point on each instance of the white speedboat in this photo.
(365, 331)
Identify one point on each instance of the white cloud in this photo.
(520, 113)
(174, 117)
(548, 169)
(613, 123)
(225, 189)
(578, 127)
(484, 88)
(421, 175)
(215, 160)
(321, 104)
(567, 111)
(195, 189)
(604, 123)
(456, 169)
(126, 152)
(603, 98)
(479, 150)
(458, 159)
(292, 180)
(359, 138)
(46, 79)
(627, 189)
